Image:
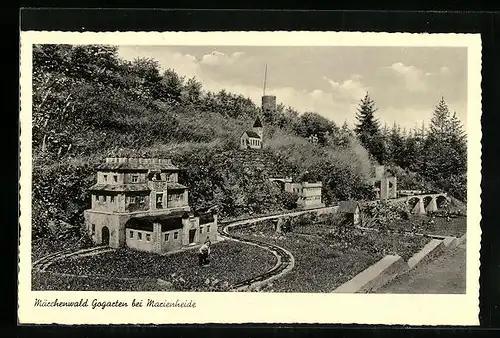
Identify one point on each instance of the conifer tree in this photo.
(368, 130)
(397, 145)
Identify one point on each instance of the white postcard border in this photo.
(260, 307)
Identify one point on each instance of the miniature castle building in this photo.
(384, 184)
(252, 139)
(309, 194)
(139, 203)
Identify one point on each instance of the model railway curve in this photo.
(285, 259)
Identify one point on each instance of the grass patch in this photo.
(456, 226)
(332, 258)
(230, 262)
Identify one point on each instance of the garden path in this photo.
(445, 275)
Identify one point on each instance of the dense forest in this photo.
(88, 104)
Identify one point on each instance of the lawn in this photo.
(329, 258)
(420, 224)
(230, 262)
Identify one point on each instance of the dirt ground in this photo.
(445, 275)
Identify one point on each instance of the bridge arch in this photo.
(412, 201)
(442, 201)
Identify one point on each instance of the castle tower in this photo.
(268, 101)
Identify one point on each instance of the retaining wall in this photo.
(392, 266)
(375, 276)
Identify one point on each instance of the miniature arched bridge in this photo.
(421, 204)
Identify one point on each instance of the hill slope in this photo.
(89, 104)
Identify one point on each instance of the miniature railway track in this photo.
(285, 262)
(43, 263)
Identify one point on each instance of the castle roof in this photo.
(348, 206)
(119, 187)
(257, 123)
(252, 134)
(137, 164)
(175, 185)
(171, 221)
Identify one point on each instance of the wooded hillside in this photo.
(89, 104)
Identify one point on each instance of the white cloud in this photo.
(349, 90)
(444, 70)
(414, 78)
(220, 59)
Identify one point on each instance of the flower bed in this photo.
(230, 262)
(324, 263)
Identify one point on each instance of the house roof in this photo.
(168, 222)
(175, 185)
(119, 187)
(252, 134)
(257, 123)
(135, 166)
(348, 206)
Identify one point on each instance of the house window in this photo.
(176, 235)
(201, 230)
(105, 178)
(148, 237)
(131, 234)
(135, 178)
(132, 199)
(159, 201)
(142, 199)
(112, 199)
(139, 235)
(97, 198)
(115, 178)
(208, 228)
(93, 229)
(166, 237)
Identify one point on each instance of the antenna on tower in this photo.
(265, 80)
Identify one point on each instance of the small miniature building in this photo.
(310, 194)
(384, 184)
(351, 210)
(252, 139)
(139, 203)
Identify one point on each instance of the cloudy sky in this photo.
(405, 83)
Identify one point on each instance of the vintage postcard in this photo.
(250, 177)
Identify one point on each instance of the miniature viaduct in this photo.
(423, 203)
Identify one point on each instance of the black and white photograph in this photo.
(270, 169)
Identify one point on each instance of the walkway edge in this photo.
(375, 276)
(431, 250)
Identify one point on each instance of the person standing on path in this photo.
(204, 252)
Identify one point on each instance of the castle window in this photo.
(208, 228)
(176, 235)
(115, 178)
(148, 237)
(135, 178)
(93, 229)
(105, 178)
(139, 235)
(166, 237)
(159, 201)
(131, 234)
